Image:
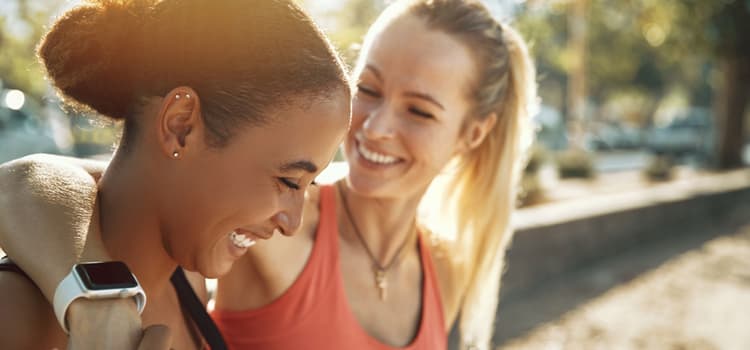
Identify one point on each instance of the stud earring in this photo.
(187, 96)
(177, 97)
(175, 154)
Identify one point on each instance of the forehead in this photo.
(415, 56)
(310, 130)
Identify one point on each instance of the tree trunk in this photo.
(577, 74)
(732, 100)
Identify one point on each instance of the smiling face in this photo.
(411, 103)
(253, 186)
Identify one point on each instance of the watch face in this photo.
(106, 275)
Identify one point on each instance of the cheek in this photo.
(432, 146)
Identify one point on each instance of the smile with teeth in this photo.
(375, 157)
(240, 240)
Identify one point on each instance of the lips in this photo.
(257, 234)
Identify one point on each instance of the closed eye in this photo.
(421, 113)
(289, 183)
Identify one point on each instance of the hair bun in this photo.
(89, 53)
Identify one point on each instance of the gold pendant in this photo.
(381, 283)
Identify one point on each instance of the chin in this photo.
(370, 188)
(215, 269)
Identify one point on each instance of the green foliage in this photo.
(532, 191)
(351, 23)
(642, 47)
(575, 163)
(19, 67)
(660, 168)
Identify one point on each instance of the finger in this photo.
(156, 337)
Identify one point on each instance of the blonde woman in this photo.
(443, 103)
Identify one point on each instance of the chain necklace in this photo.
(381, 282)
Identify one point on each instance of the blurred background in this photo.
(633, 228)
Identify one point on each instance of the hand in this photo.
(112, 324)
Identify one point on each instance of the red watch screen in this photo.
(106, 275)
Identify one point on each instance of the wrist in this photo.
(86, 315)
(102, 281)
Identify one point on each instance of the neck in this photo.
(130, 226)
(385, 224)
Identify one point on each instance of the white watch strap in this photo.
(71, 288)
(67, 291)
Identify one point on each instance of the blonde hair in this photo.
(476, 198)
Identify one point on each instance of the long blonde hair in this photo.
(477, 195)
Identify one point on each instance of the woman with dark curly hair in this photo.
(218, 99)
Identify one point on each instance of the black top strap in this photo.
(7, 265)
(197, 311)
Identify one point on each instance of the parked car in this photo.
(613, 136)
(690, 133)
(21, 134)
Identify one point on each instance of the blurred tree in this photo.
(352, 20)
(647, 48)
(21, 27)
(731, 26)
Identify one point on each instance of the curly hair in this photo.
(241, 56)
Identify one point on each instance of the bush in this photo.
(659, 168)
(575, 163)
(531, 191)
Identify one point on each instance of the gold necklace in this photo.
(381, 282)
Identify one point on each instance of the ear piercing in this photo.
(177, 97)
(175, 154)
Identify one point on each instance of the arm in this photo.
(46, 211)
(26, 320)
(48, 222)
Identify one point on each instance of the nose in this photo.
(289, 217)
(378, 123)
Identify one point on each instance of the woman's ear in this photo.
(476, 131)
(179, 122)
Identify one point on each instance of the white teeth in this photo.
(247, 243)
(376, 157)
(241, 241)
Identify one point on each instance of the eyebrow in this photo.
(425, 97)
(414, 94)
(300, 165)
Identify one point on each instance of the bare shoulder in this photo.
(27, 320)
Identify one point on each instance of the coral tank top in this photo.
(314, 312)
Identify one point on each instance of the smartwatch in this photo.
(97, 280)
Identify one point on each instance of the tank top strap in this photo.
(195, 309)
(432, 301)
